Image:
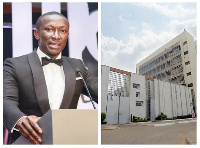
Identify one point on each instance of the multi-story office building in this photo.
(125, 94)
(174, 62)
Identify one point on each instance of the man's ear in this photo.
(36, 34)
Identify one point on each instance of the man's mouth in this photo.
(54, 45)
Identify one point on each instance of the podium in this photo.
(67, 126)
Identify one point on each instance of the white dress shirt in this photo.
(55, 80)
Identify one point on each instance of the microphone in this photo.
(78, 71)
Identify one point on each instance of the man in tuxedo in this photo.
(43, 80)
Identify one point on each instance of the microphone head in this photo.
(77, 70)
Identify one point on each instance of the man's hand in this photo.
(28, 127)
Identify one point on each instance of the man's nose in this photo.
(56, 35)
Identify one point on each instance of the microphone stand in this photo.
(86, 89)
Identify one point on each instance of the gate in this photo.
(118, 110)
(118, 99)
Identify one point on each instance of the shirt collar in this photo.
(42, 54)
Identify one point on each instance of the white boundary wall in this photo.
(139, 111)
(172, 100)
(104, 86)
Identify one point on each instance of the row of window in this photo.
(139, 103)
(159, 58)
(189, 73)
(184, 43)
(163, 66)
(164, 56)
(137, 86)
(186, 52)
(188, 62)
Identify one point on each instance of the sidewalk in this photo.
(190, 138)
(168, 122)
(109, 127)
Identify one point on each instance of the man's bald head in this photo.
(38, 23)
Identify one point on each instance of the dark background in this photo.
(36, 12)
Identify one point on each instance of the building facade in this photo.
(125, 94)
(174, 62)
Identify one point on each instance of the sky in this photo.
(132, 31)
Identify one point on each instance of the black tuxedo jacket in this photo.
(25, 90)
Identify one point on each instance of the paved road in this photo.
(140, 134)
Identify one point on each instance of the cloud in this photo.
(125, 55)
(140, 44)
(110, 46)
(189, 25)
(120, 17)
(147, 26)
(175, 12)
(131, 27)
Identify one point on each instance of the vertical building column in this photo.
(83, 29)
(77, 16)
(48, 7)
(82, 34)
(22, 28)
(105, 70)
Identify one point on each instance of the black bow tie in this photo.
(46, 61)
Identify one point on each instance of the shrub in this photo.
(139, 119)
(189, 116)
(134, 119)
(103, 116)
(162, 117)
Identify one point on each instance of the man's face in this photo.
(52, 35)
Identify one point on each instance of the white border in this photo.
(99, 71)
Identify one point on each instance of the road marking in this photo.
(165, 124)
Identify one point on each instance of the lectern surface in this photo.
(68, 126)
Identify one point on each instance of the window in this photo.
(184, 43)
(189, 73)
(186, 52)
(188, 62)
(190, 85)
(137, 94)
(137, 86)
(139, 103)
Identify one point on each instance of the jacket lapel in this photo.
(70, 80)
(39, 82)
